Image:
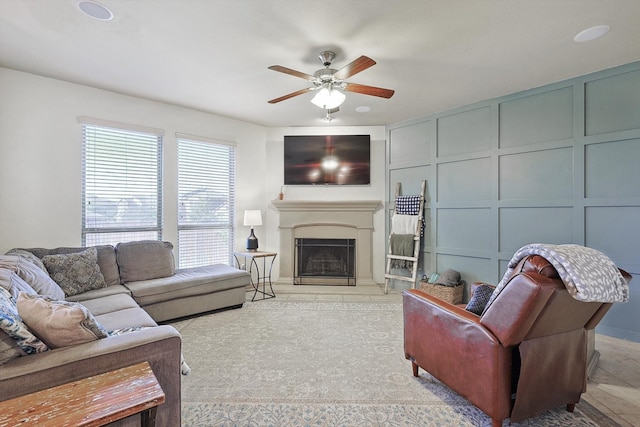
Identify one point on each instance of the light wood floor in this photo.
(614, 387)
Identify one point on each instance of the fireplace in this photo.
(324, 262)
(345, 221)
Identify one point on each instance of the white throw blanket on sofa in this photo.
(588, 274)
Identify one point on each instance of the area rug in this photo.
(294, 364)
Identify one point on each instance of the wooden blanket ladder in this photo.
(412, 259)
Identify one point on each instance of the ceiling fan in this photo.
(330, 82)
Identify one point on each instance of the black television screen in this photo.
(327, 159)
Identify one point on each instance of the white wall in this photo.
(40, 162)
(40, 155)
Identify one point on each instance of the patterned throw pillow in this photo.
(9, 349)
(12, 324)
(479, 299)
(59, 323)
(76, 272)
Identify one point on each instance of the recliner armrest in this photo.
(515, 309)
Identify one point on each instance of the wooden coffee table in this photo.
(93, 401)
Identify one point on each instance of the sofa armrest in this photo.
(450, 343)
(160, 346)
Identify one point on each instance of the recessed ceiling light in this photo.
(363, 109)
(591, 33)
(95, 10)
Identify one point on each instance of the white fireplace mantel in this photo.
(324, 219)
(328, 206)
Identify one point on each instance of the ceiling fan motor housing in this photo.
(325, 75)
(326, 57)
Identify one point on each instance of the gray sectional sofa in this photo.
(127, 290)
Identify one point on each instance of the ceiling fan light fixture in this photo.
(328, 99)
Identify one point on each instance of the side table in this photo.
(90, 402)
(251, 257)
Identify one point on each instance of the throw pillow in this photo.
(77, 272)
(12, 324)
(37, 278)
(13, 283)
(9, 349)
(59, 323)
(30, 257)
(479, 299)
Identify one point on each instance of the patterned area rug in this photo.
(293, 364)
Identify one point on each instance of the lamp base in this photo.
(252, 242)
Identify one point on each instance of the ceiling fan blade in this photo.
(354, 67)
(369, 90)
(291, 95)
(291, 72)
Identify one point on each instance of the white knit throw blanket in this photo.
(588, 274)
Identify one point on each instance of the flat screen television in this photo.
(327, 160)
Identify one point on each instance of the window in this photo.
(206, 202)
(121, 183)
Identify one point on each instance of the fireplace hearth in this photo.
(325, 262)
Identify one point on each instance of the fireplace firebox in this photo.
(325, 262)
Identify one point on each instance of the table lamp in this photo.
(251, 219)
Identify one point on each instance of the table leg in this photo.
(148, 417)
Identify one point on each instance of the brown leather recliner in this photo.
(527, 352)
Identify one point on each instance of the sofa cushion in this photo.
(32, 274)
(9, 349)
(76, 272)
(144, 260)
(11, 323)
(59, 323)
(109, 304)
(106, 259)
(188, 282)
(126, 318)
(13, 283)
(99, 293)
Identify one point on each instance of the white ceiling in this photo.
(212, 55)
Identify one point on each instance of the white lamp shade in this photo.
(252, 217)
(328, 99)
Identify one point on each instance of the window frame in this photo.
(114, 132)
(190, 255)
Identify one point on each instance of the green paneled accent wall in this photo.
(555, 164)
(537, 118)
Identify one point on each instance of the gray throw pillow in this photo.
(479, 299)
(145, 260)
(77, 272)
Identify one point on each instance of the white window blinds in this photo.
(121, 185)
(206, 202)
